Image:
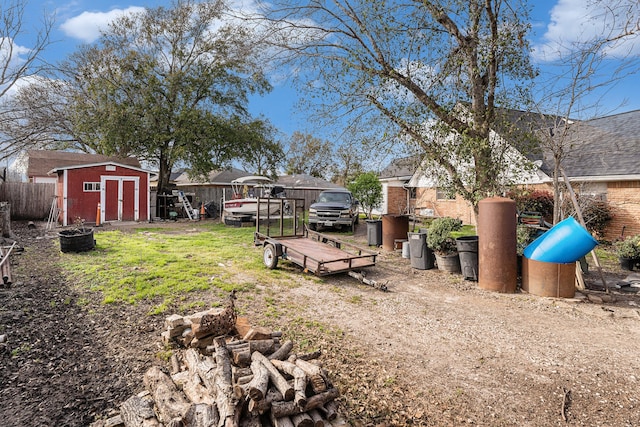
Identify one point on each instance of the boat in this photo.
(246, 190)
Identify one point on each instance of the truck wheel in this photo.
(312, 227)
(269, 256)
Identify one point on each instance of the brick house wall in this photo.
(396, 200)
(454, 208)
(624, 199)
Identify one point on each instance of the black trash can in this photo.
(374, 232)
(468, 253)
(421, 254)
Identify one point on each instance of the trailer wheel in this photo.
(269, 256)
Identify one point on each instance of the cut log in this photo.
(281, 422)
(245, 380)
(170, 401)
(175, 364)
(251, 421)
(138, 412)
(331, 410)
(204, 368)
(257, 333)
(302, 420)
(196, 392)
(173, 321)
(217, 323)
(278, 380)
(263, 406)
(299, 380)
(201, 415)
(225, 397)
(281, 409)
(242, 326)
(310, 356)
(314, 374)
(257, 388)
(266, 346)
(318, 421)
(283, 352)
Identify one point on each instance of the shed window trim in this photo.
(91, 187)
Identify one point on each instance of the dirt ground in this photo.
(435, 350)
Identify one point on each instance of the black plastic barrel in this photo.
(374, 232)
(468, 253)
(421, 254)
(76, 241)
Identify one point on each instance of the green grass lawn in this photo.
(163, 265)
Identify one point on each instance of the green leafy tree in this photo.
(366, 188)
(168, 85)
(393, 68)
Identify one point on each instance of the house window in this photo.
(91, 186)
(444, 195)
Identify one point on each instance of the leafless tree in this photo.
(18, 63)
(585, 69)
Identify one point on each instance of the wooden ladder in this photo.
(185, 203)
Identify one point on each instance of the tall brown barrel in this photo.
(497, 260)
(394, 227)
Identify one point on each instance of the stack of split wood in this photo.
(242, 378)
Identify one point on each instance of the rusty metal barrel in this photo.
(394, 227)
(548, 279)
(497, 260)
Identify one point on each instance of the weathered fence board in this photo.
(28, 201)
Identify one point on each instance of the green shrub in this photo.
(533, 201)
(629, 247)
(439, 237)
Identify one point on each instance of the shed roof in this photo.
(40, 162)
(90, 165)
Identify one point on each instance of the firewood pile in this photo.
(242, 376)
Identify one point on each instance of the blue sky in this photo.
(79, 21)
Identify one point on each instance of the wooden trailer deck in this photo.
(323, 257)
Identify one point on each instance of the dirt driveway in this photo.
(435, 350)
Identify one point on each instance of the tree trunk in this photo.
(5, 220)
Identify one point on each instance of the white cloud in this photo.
(575, 22)
(87, 26)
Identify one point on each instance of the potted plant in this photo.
(628, 251)
(439, 239)
(77, 239)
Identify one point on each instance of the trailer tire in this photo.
(269, 256)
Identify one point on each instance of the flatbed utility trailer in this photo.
(288, 238)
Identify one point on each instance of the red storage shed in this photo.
(122, 192)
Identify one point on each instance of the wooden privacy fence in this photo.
(28, 201)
